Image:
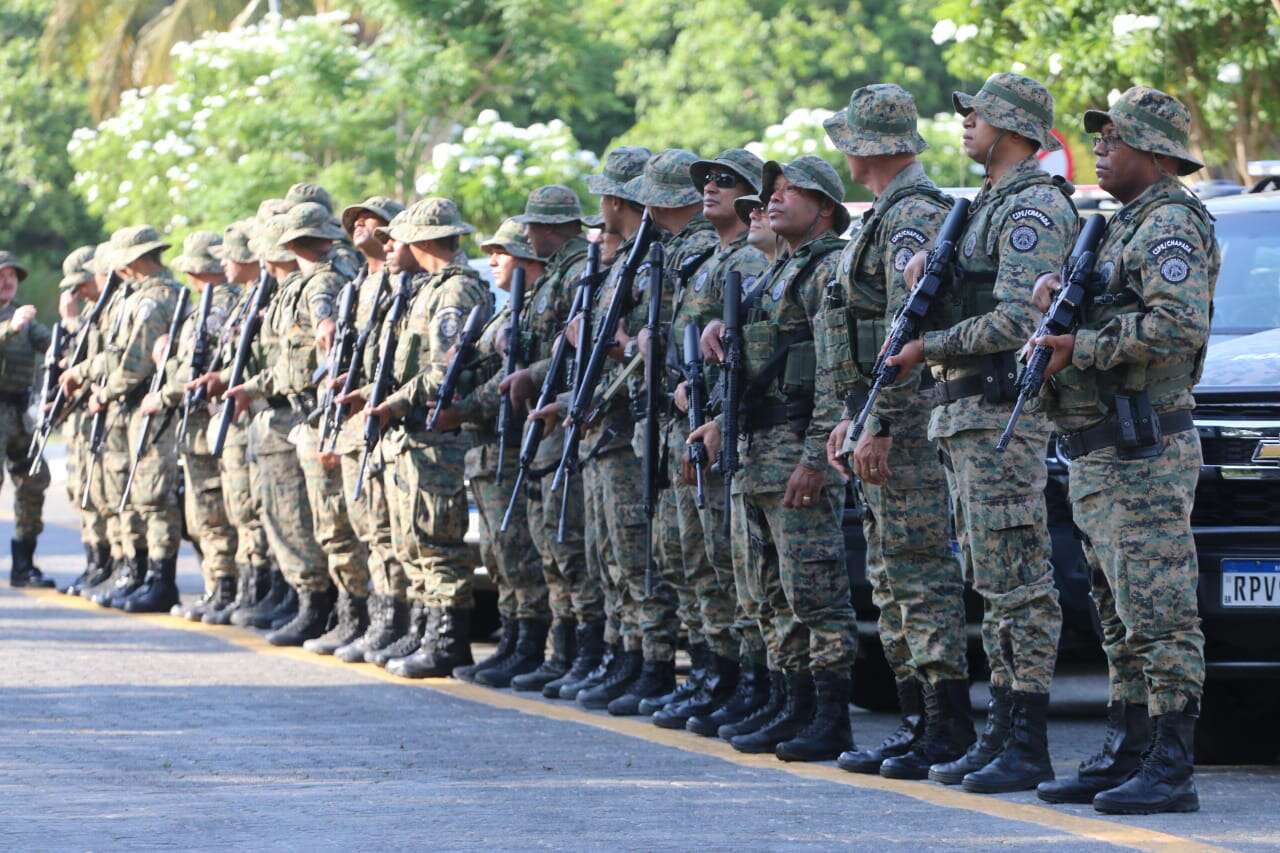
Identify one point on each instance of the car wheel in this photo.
(1237, 722)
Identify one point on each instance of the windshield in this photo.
(1247, 298)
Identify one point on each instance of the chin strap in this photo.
(991, 152)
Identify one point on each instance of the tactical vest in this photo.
(18, 358)
(539, 328)
(1092, 393)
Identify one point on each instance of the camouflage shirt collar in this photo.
(699, 222)
(576, 245)
(1162, 188)
(821, 241)
(1017, 172)
(908, 177)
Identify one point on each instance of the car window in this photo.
(1247, 298)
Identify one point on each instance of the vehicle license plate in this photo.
(1250, 583)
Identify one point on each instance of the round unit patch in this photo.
(1024, 238)
(902, 258)
(846, 263)
(641, 280)
(1174, 270)
(970, 243)
(778, 289)
(324, 310)
(542, 303)
(1105, 271)
(700, 281)
(449, 322)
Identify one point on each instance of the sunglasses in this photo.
(724, 180)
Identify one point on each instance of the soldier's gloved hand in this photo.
(241, 398)
(915, 268)
(1063, 347)
(711, 342)
(835, 444)
(550, 415)
(804, 486)
(519, 386)
(682, 397)
(871, 458)
(22, 317)
(150, 404)
(1047, 286)
(709, 435)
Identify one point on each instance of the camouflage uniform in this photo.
(77, 270)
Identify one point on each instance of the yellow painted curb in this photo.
(1094, 829)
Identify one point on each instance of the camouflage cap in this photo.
(313, 193)
(9, 259)
(810, 173)
(310, 219)
(1149, 120)
(740, 161)
(665, 181)
(381, 206)
(1014, 103)
(510, 238)
(551, 205)
(75, 269)
(744, 204)
(622, 165)
(236, 243)
(272, 207)
(880, 120)
(100, 263)
(428, 219)
(129, 244)
(197, 255)
(265, 242)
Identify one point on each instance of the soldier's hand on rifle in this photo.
(151, 404)
(325, 331)
(1063, 346)
(911, 355)
(642, 344)
(157, 351)
(519, 386)
(22, 317)
(682, 397)
(336, 385)
(871, 458)
(712, 342)
(804, 486)
(835, 444)
(69, 383)
(95, 405)
(240, 397)
(621, 338)
(1047, 286)
(500, 342)
(211, 382)
(915, 268)
(550, 415)
(354, 401)
(449, 418)
(688, 472)
(572, 332)
(384, 412)
(328, 460)
(709, 435)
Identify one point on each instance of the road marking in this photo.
(1094, 829)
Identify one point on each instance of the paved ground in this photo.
(127, 732)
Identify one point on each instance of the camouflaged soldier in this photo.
(916, 582)
(371, 516)
(735, 649)
(1138, 354)
(205, 507)
(423, 471)
(787, 501)
(1021, 225)
(344, 258)
(23, 342)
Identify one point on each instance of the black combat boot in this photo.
(589, 643)
(563, 648)
(314, 609)
(125, 582)
(90, 570)
(506, 648)
(246, 583)
(610, 660)
(718, 684)
(899, 741)
(407, 643)
(219, 596)
(1025, 762)
(159, 589)
(100, 569)
(656, 677)
(829, 733)
(751, 692)
(775, 698)
(988, 745)
(1164, 781)
(353, 619)
(1127, 738)
(388, 620)
(23, 571)
(948, 732)
(446, 644)
(796, 713)
(699, 655)
(286, 610)
(270, 596)
(531, 650)
(615, 684)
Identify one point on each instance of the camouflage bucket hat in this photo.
(197, 253)
(1149, 120)
(1014, 103)
(235, 245)
(880, 120)
(551, 205)
(272, 207)
(510, 238)
(740, 161)
(622, 165)
(428, 219)
(744, 204)
(265, 242)
(9, 259)
(310, 219)
(100, 263)
(381, 206)
(129, 244)
(314, 193)
(810, 173)
(595, 220)
(665, 181)
(75, 269)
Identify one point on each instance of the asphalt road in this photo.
(139, 732)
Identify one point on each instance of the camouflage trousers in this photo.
(154, 494)
(796, 571)
(347, 556)
(286, 515)
(28, 492)
(105, 481)
(207, 517)
(1136, 519)
(621, 612)
(1001, 523)
(512, 560)
(93, 522)
(371, 521)
(241, 501)
(571, 592)
(427, 500)
(916, 581)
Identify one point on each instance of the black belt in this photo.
(1077, 444)
(958, 389)
(764, 417)
(15, 398)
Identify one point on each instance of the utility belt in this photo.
(301, 404)
(15, 398)
(796, 413)
(996, 382)
(1136, 430)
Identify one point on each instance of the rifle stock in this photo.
(732, 341)
(199, 356)
(355, 364)
(652, 397)
(382, 375)
(514, 331)
(697, 395)
(248, 332)
(339, 353)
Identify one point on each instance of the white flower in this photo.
(440, 156)
(124, 187)
(1113, 96)
(426, 182)
(966, 32)
(1055, 63)
(1123, 25)
(471, 134)
(943, 31)
(1229, 73)
(121, 202)
(91, 195)
(809, 146)
(487, 117)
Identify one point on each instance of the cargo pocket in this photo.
(1007, 542)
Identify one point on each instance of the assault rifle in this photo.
(697, 394)
(248, 332)
(652, 401)
(731, 339)
(49, 386)
(199, 356)
(98, 428)
(462, 356)
(586, 298)
(382, 373)
(1062, 318)
(514, 331)
(344, 341)
(355, 364)
(911, 318)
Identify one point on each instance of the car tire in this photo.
(1237, 722)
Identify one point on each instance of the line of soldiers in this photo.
(329, 502)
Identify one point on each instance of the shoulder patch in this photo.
(1105, 271)
(778, 288)
(450, 322)
(217, 319)
(641, 280)
(902, 258)
(1160, 247)
(1024, 238)
(970, 243)
(1031, 213)
(1175, 270)
(908, 234)
(700, 281)
(541, 305)
(146, 307)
